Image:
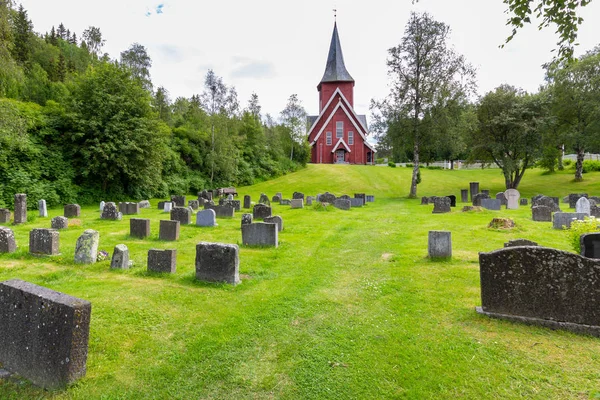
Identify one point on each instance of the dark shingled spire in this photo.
(335, 70)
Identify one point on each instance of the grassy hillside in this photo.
(347, 307)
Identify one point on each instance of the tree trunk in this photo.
(212, 164)
(292, 152)
(451, 164)
(415, 174)
(560, 158)
(579, 164)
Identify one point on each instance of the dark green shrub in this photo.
(391, 164)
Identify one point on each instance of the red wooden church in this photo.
(338, 134)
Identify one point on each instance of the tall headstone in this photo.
(139, 228)
(168, 230)
(474, 189)
(275, 219)
(43, 210)
(4, 216)
(120, 257)
(20, 208)
(206, 217)
(162, 260)
(59, 222)
(102, 203)
(247, 201)
(260, 234)
(7, 240)
(181, 214)
(582, 206)
(86, 249)
(564, 219)
(45, 338)
(44, 241)
(464, 195)
(439, 244)
(72, 210)
(589, 243)
(217, 262)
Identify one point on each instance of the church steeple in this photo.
(335, 70)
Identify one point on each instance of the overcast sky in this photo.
(277, 47)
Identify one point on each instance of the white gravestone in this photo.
(512, 199)
(583, 206)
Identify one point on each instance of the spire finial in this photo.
(335, 14)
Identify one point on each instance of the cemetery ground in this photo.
(348, 305)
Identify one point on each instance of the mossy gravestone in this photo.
(86, 249)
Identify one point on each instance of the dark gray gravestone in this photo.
(264, 199)
(260, 234)
(162, 260)
(424, 200)
(168, 230)
(276, 219)
(595, 211)
(452, 200)
(236, 204)
(590, 245)
(542, 200)
(261, 211)
(478, 197)
(298, 195)
(370, 198)
(327, 198)
(129, 208)
(523, 202)
(217, 262)
(161, 205)
(206, 218)
(356, 202)
(309, 200)
(20, 208)
(342, 204)
(562, 219)
(120, 257)
(441, 205)
(439, 244)
(502, 197)
(541, 213)
(485, 191)
(491, 204)
(43, 334)
(474, 189)
(247, 219)
(139, 228)
(178, 200)
(86, 248)
(4, 215)
(285, 202)
(59, 222)
(181, 214)
(7, 240)
(247, 201)
(195, 204)
(345, 197)
(276, 198)
(573, 197)
(110, 212)
(520, 242)
(225, 211)
(72, 210)
(464, 195)
(44, 241)
(362, 196)
(537, 285)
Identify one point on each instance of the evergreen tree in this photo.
(23, 35)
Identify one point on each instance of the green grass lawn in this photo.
(348, 306)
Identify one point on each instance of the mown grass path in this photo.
(347, 307)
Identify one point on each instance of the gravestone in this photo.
(247, 201)
(342, 204)
(582, 206)
(425, 200)
(162, 260)
(589, 242)
(478, 198)
(276, 219)
(86, 249)
(297, 195)
(261, 211)
(503, 200)
(129, 208)
(59, 222)
(573, 197)
(441, 205)
(276, 199)
(357, 202)
(217, 262)
(225, 211)
(285, 202)
(44, 241)
(523, 202)
(595, 211)
(545, 201)
(520, 242)
(168, 230)
(491, 204)
(45, 338)
(561, 219)
(264, 199)
(20, 208)
(168, 206)
(260, 234)
(178, 200)
(309, 200)
(279, 194)
(161, 205)
(485, 191)
(7, 240)
(439, 244)
(4, 216)
(247, 219)
(345, 197)
(327, 198)
(43, 210)
(362, 196)
(474, 189)
(110, 212)
(370, 198)
(181, 214)
(297, 203)
(139, 228)
(206, 217)
(102, 203)
(144, 204)
(452, 200)
(541, 286)
(236, 204)
(195, 204)
(72, 210)
(229, 197)
(464, 195)
(120, 257)
(541, 213)
(205, 194)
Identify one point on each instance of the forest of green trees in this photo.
(76, 125)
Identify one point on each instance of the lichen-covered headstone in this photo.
(541, 213)
(217, 262)
(44, 241)
(178, 200)
(441, 205)
(327, 198)
(20, 208)
(59, 222)
(195, 204)
(298, 195)
(275, 219)
(139, 227)
(168, 230)
(7, 240)
(181, 214)
(72, 210)
(120, 257)
(111, 212)
(264, 199)
(247, 219)
(260, 234)
(439, 244)
(86, 249)
(261, 211)
(4, 215)
(162, 260)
